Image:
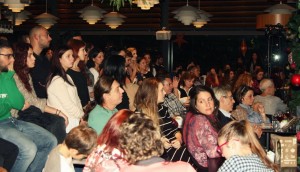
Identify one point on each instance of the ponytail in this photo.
(243, 130)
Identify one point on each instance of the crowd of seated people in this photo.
(124, 112)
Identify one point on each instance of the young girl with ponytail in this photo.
(238, 144)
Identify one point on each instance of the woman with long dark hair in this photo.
(95, 62)
(62, 93)
(201, 126)
(39, 113)
(78, 71)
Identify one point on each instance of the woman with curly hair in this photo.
(239, 145)
(201, 128)
(151, 105)
(141, 142)
(108, 156)
(39, 113)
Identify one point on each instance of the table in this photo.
(268, 133)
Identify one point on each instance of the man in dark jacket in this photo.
(226, 101)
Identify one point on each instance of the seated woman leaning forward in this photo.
(238, 144)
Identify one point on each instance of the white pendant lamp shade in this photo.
(20, 17)
(186, 14)
(280, 9)
(92, 14)
(202, 19)
(113, 19)
(46, 20)
(145, 4)
(15, 5)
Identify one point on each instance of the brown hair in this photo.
(243, 79)
(140, 138)
(20, 64)
(186, 76)
(146, 98)
(82, 138)
(243, 131)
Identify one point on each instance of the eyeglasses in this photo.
(8, 55)
(219, 148)
(231, 97)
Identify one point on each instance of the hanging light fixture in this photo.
(46, 20)
(186, 14)
(19, 17)
(145, 4)
(15, 5)
(203, 17)
(113, 19)
(279, 13)
(280, 9)
(92, 13)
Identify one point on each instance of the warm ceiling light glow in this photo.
(20, 17)
(92, 14)
(113, 19)
(15, 5)
(145, 4)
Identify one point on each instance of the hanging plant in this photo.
(119, 3)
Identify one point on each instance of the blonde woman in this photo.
(238, 144)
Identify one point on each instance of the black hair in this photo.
(114, 66)
(241, 92)
(56, 67)
(194, 96)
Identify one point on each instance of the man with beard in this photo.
(40, 39)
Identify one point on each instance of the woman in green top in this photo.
(108, 94)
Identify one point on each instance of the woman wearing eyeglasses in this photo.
(201, 128)
(238, 144)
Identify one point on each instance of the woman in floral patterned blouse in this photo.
(201, 126)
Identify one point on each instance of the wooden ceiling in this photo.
(227, 14)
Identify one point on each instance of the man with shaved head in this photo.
(40, 39)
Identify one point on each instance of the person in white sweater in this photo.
(62, 93)
(271, 103)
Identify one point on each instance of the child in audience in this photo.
(79, 143)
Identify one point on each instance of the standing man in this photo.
(226, 101)
(39, 40)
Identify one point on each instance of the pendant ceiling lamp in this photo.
(113, 19)
(203, 17)
(20, 17)
(145, 4)
(46, 20)
(276, 14)
(186, 14)
(15, 5)
(280, 9)
(92, 14)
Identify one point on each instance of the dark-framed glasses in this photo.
(8, 55)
